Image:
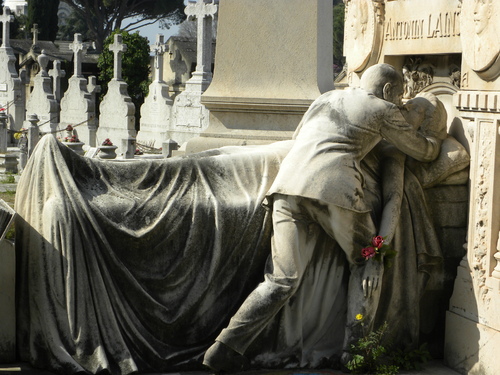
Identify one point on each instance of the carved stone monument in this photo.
(77, 105)
(262, 83)
(42, 101)
(155, 112)
(450, 48)
(190, 116)
(473, 324)
(11, 92)
(117, 119)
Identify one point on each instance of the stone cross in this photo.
(159, 48)
(78, 48)
(203, 11)
(92, 87)
(35, 32)
(6, 18)
(118, 48)
(57, 73)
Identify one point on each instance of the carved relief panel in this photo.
(480, 37)
(362, 34)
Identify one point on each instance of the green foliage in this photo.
(411, 360)
(43, 13)
(75, 23)
(104, 16)
(8, 179)
(18, 27)
(135, 66)
(370, 356)
(338, 34)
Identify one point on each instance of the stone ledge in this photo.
(257, 105)
(479, 101)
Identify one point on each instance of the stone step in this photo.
(431, 368)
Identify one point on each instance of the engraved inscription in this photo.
(442, 25)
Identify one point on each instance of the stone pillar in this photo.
(41, 100)
(273, 59)
(33, 133)
(8, 162)
(57, 73)
(473, 322)
(155, 112)
(77, 105)
(117, 118)
(203, 11)
(3, 132)
(11, 90)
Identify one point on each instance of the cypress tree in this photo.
(43, 13)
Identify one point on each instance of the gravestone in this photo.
(57, 73)
(473, 324)
(262, 84)
(42, 101)
(157, 107)
(190, 117)
(11, 90)
(78, 105)
(117, 112)
(450, 48)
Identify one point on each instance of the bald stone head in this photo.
(383, 81)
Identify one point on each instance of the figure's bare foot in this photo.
(220, 357)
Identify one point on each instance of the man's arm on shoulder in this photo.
(402, 135)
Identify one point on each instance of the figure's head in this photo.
(427, 114)
(482, 15)
(359, 17)
(383, 81)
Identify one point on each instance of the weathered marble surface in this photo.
(139, 265)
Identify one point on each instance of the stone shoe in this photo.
(221, 358)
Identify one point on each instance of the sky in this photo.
(151, 31)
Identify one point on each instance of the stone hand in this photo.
(372, 276)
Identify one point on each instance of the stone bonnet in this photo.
(428, 114)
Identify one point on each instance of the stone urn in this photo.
(107, 152)
(75, 146)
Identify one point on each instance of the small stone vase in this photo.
(75, 146)
(107, 152)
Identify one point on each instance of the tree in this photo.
(43, 13)
(74, 24)
(104, 16)
(135, 66)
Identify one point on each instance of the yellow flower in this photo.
(359, 317)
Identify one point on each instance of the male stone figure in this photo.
(320, 182)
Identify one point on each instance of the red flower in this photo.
(69, 128)
(107, 142)
(378, 241)
(368, 252)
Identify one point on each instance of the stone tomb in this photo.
(262, 83)
(155, 112)
(78, 105)
(450, 48)
(190, 116)
(42, 101)
(117, 119)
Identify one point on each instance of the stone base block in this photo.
(7, 302)
(471, 348)
(8, 163)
